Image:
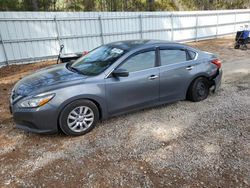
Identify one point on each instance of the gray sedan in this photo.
(110, 80)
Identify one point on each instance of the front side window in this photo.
(169, 56)
(139, 62)
(98, 60)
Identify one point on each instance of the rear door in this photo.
(140, 88)
(177, 68)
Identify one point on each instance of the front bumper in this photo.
(37, 120)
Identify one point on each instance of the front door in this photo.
(140, 88)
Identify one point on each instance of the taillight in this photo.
(217, 62)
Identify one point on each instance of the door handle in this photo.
(152, 77)
(190, 67)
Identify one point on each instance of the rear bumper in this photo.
(217, 80)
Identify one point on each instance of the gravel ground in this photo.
(183, 144)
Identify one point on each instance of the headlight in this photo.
(37, 101)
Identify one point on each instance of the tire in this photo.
(244, 47)
(78, 117)
(198, 90)
(236, 46)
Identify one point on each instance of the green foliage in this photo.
(215, 4)
(120, 5)
(10, 5)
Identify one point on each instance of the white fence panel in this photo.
(32, 36)
(2, 55)
(207, 20)
(156, 23)
(206, 32)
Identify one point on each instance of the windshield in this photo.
(97, 60)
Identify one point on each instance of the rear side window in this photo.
(139, 62)
(172, 56)
(192, 54)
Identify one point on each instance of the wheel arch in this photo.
(202, 75)
(100, 104)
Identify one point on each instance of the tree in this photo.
(150, 5)
(9, 5)
(120, 5)
(89, 5)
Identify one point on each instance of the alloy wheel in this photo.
(80, 118)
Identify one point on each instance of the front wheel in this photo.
(198, 90)
(78, 117)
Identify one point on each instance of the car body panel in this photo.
(175, 79)
(217, 81)
(126, 93)
(45, 78)
(36, 120)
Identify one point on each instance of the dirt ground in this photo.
(184, 144)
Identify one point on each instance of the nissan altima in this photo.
(112, 79)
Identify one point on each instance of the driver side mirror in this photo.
(120, 73)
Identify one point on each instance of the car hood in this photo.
(44, 78)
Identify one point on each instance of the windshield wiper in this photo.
(69, 67)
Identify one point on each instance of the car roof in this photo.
(129, 45)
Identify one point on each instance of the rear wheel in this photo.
(244, 47)
(236, 46)
(198, 90)
(78, 117)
